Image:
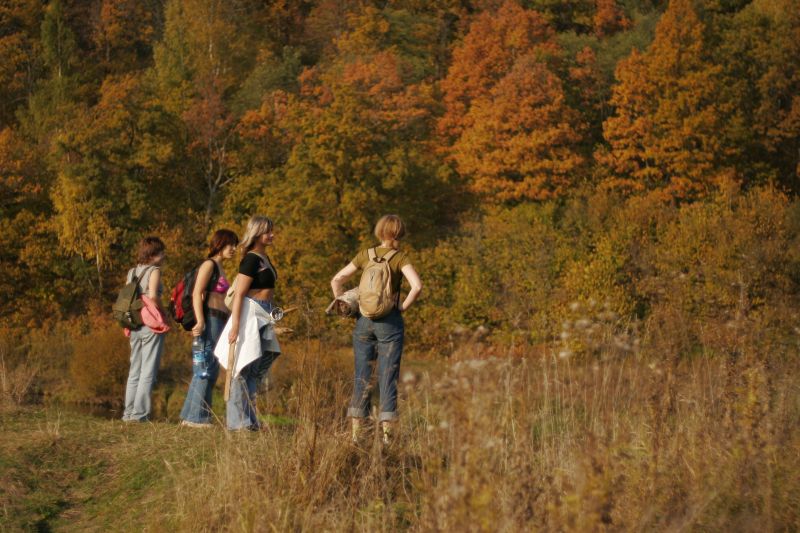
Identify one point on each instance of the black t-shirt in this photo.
(260, 269)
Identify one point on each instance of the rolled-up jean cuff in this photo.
(355, 412)
(387, 416)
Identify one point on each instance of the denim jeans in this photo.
(146, 348)
(380, 339)
(197, 407)
(240, 411)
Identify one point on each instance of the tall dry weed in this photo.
(617, 441)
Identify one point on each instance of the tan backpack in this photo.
(375, 295)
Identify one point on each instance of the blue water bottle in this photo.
(199, 364)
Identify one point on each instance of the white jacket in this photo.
(248, 345)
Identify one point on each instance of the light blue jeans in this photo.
(380, 339)
(197, 407)
(146, 348)
(240, 411)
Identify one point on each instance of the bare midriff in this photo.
(261, 294)
(216, 301)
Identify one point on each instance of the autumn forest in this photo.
(121, 118)
(601, 198)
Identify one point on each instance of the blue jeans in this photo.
(380, 339)
(146, 348)
(240, 411)
(197, 407)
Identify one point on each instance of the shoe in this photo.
(386, 433)
(246, 429)
(355, 435)
(189, 424)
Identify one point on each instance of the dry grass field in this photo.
(537, 438)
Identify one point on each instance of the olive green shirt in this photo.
(396, 264)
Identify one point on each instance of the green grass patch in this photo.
(79, 472)
(277, 420)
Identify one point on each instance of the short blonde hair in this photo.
(390, 228)
(257, 226)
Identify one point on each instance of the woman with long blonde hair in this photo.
(251, 308)
(381, 336)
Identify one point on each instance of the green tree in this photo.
(19, 50)
(760, 53)
(58, 41)
(355, 147)
(109, 179)
(199, 64)
(55, 96)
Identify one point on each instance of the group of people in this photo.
(377, 340)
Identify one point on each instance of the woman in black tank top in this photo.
(255, 282)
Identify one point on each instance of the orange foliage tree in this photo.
(609, 18)
(494, 42)
(508, 125)
(665, 131)
(27, 255)
(124, 33)
(523, 137)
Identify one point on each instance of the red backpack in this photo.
(180, 301)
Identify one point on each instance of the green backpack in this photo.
(127, 310)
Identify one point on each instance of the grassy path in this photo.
(70, 471)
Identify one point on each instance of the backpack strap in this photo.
(373, 255)
(388, 255)
(212, 281)
(139, 278)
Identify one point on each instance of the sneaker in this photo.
(189, 424)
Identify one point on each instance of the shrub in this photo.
(720, 264)
(498, 272)
(99, 365)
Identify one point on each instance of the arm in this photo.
(416, 286)
(338, 281)
(199, 294)
(152, 288)
(243, 283)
